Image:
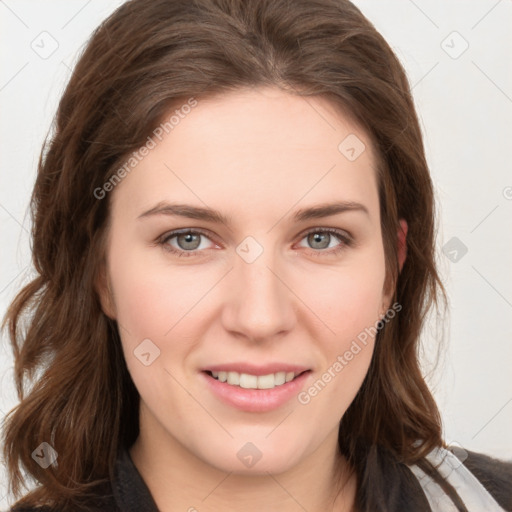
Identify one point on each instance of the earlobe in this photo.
(402, 243)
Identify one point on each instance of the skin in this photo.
(256, 155)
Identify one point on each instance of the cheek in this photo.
(349, 298)
(153, 303)
(349, 303)
(350, 307)
(150, 299)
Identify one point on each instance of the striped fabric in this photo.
(474, 495)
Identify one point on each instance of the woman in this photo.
(234, 240)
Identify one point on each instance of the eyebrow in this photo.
(211, 215)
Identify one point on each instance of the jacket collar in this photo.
(130, 491)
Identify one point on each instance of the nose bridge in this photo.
(260, 303)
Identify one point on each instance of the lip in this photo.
(255, 400)
(257, 370)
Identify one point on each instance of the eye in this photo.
(322, 238)
(184, 242)
(189, 242)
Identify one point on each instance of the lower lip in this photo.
(256, 400)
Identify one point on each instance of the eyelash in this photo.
(345, 239)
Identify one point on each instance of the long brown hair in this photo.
(146, 58)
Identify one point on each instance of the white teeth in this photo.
(266, 381)
(234, 378)
(279, 378)
(247, 381)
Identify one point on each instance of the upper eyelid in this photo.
(184, 231)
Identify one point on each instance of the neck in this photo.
(179, 480)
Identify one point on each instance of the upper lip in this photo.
(254, 369)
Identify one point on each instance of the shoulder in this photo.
(109, 506)
(472, 478)
(30, 509)
(106, 506)
(100, 499)
(124, 490)
(494, 474)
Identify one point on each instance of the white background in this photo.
(465, 107)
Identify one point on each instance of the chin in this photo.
(251, 458)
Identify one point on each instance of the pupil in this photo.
(317, 238)
(189, 242)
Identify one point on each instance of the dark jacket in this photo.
(129, 493)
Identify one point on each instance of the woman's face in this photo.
(267, 291)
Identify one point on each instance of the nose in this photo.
(261, 303)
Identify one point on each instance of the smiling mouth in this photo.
(248, 381)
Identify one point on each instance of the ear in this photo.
(402, 243)
(104, 291)
(402, 255)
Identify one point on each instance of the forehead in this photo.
(255, 149)
(270, 116)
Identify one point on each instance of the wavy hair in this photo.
(147, 57)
